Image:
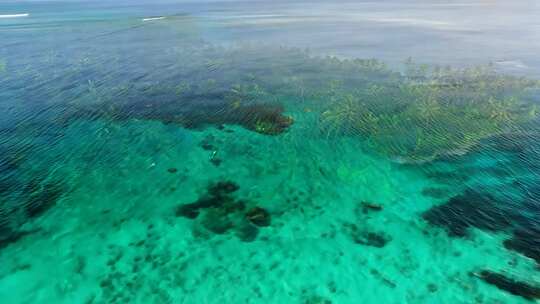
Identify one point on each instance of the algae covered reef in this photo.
(413, 115)
(427, 113)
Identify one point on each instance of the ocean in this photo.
(270, 152)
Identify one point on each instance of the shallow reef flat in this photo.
(185, 172)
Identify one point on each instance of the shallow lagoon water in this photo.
(208, 157)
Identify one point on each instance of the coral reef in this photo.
(223, 188)
(419, 115)
(373, 239)
(365, 236)
(510, 285)
(349, 105)
(247, 232)
(192, 111)
(478, 209)
(368, 207)
(222, 212)
(440, 113)
(526, 241)
(470, 209)
(258, 216)
(264, 119)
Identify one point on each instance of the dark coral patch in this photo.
(262, 118)
(190, 211)
(432, 287)
(525, 241)
(207, 146)
(265, 118)
(526, 235)
(483, 211)
(368, 207)
(8, 234)
(366, 237)
(247, 232)
(11, 237)
(22, 199)
(207, 143)
(510, 285)
(216, 161)
(223, 188)
(470, 209)
(221, 212)
(218, 195)
(233, 206)
(259, 216)
(373, 239)
(194, 108)
(217, 221)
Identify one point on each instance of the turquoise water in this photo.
(234, 152)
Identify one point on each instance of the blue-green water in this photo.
(269, 152)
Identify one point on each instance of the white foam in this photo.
(516, 64)
(153, 18)
(250, 16)
(14, 16)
